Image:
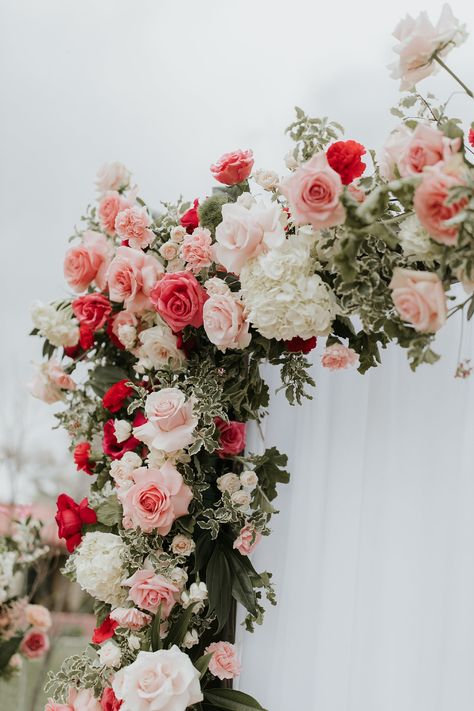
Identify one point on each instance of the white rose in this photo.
(175, 265)
(267, 179)
(229, 482)
(159, 347)
(127, 335)
(177, 234)
(246, 200)
(290, 161)
(182, 545)
(241, 499)
(112, 176)
(134, 642)
(216, 286)
(122, 430)
(121, 469)
(99, 567)
(249, 479)
(169, 250)
(110, 655)
(156, 458)
(179, 576)
(190, 639)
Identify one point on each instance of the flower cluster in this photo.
(171, 315)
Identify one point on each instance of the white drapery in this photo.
(373, 551)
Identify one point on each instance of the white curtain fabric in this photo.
(373, 549)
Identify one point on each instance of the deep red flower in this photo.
(187, 345)
(72, 351)
(115, 449)
(82, 459)
(104, 631)
(109, 701)
(471, 136)
(86, 337)
(190, 219)
(110, 332)
(301, 345)
(231, 437)
(114, 398)
(345, 158)
(71, 517)
(92, 310)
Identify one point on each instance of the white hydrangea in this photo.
(7, 564)
(267, 179)
(57, 325)
(283, 296)
(415, 240)
(99, 567)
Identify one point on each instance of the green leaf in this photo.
(202, 664)
(470, 311)
(231, 700)
(219, 586)
(104, 376)
(179, 628)
(242, 588)
(156, 641)
(7, 650)
(109, 512)
(204, 549)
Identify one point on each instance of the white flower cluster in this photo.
(283, 296)
(158, 348)
(415, 240)
(98, 564)
(7, 564)
(57, 325)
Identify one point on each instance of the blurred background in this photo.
(373, 551)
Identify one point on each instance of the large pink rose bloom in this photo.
(156, 499)
(431, 202)
(109, 207)
(171, 421)
(246, 232)
(313, 192)
(225, 323)
(179, 298)
(88, 262)
(419, 299)
(233, 168)
(131, 276)
(149, 590)
(133, 224)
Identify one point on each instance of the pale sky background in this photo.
(166, 87)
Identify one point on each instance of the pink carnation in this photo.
(196, 250)
(419, 299)
(131, 277)
(88, 262)
(338, 357)
(233, 168)
(149, 590)
(247, 540)
(224, 661)
(130, 618)
(133, 224)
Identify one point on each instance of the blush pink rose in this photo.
(419, 299)
(196, 250)
(224, 662)
(233, 168)
(34, 644)
(149, 590)
(413, 151)
(112, 176)
(313, 193)
(130, 618)
(338, 357)
(232, 437)
(109, 207)
(50, 381)
(247, 540)
(156, 499)
(171, 421)
(39, 617)
(179, 298)
(131, 277)
(133, 224)
(52, 706)
(88, 262)
(225, 323)
(431, 202)
(78, 700)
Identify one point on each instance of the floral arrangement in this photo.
(23, 626)
(156, 357)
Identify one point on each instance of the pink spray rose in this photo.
(419, 299)
(171, 421)
(232, 436)
(88, 262)
(109, 207)
(431, 202)
(156, 499)
(225, 323)
(196, 250)
(179, 298)
(338, 357)
(34, 644)
(50, 381)
(313, 192)
(133, 224)
(413, 151)
(224, 661)
(131, 276)
(247, 540)
(130, 618)
(149, 590)
(233, 168)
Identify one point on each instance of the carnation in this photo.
(57, 325)
(98, 563)
(110, 655)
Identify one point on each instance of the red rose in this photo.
(301, 345)
(231, 437)
(345, 158)
(115, 449)
(471, 137)
(190, 219)
(233, 168)
(109, 701)
(114, 398)
(82, 459)
(72, 351)
(179, 299)
(71, 517)
(104, 631)
(92, 310)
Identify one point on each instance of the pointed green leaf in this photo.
(231, 700)
(202, 664)
(156, 641)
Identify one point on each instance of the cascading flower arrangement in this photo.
(156, 361)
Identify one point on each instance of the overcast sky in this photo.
(166, 87)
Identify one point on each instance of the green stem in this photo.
(456, 78)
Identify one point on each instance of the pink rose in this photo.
(92, 310)
(419, 299)
(224, 661)
(52, 706)
(225, 323)
(413, 151)
(133, 224)
(34, 644)
(87, 262)
(337, 357)
(171, 421)
(246, 232)
(39, 617)
(149, 591)
(231, 437)
(313, 192)
(179, 299)
(82, 700)
(50, 381)
(431, 202)
(196, 250)
(131, 277)
(109, 208)
(112, 176)
(247, 540)
(156, 499)
(233, 168)
(130, 618)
